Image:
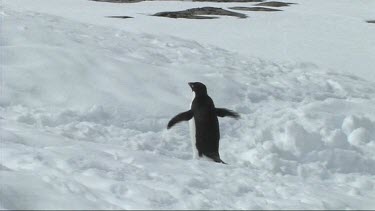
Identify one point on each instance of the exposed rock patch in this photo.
(119, 16)
(274, 4)
(370, 21)
(200, 13)
(265, 9)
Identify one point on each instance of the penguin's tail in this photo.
(215, 157)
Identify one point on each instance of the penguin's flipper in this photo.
(223, 112)
(184, 116)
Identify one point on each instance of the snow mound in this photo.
(84, 112)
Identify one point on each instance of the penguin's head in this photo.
(198, 88)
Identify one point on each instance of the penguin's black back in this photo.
(207, 131)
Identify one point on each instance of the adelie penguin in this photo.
(204, 124)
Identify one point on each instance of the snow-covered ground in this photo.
(85, 101)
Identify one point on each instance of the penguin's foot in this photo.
(215, 157)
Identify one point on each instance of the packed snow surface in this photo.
(84, 109)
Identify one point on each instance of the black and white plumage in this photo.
(204, 124)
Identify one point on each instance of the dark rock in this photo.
(119, 16)
(197, 13)
(274, 4)
(265, 9)
(370, 21)
(182, 15)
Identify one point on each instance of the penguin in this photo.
(204, 124)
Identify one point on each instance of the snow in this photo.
(337, 30)
(85, 101)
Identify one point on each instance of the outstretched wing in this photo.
(184, 116)
(223, 112)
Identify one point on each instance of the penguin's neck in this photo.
(200, 94)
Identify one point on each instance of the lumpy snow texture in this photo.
(84, 110)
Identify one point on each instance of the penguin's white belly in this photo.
(193, 138)
(193, 133)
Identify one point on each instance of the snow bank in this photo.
(84, 112)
